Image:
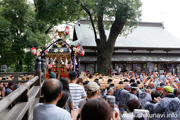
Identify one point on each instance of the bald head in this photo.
(51, 89)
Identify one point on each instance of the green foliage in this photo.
(57, 11)
(11, 68)
(24, 25)
(29, 62)
(19, 29)
(129, 12)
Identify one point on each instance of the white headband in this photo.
(134, 87)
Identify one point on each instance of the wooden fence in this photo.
(23, 98)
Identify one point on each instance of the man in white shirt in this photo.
(77, 91)
(52, 90)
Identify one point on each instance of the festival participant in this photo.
(145, 96)
(110, 89)
(77, 91)
(176, 77)
(163, 78)
(132, 94)
(160, 91)
(142, 75)
(109, 96)
(93, 91)
(50, 67)
(52, 74)
(120, 95)
(156, 80)
(150, 105)
(52, 90)
(178, 92)
(169, 106)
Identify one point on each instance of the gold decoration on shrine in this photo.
(56, 50)
(61, 50)
(59, 46)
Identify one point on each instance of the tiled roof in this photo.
(136, 58)
(146, 35)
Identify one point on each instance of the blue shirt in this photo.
(50, 112)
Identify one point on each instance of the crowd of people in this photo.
(8, 87)
(145, 96)
(124, 96)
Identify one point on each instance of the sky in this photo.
(166, 11)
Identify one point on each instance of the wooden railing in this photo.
(23, 98)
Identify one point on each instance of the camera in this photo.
(141, 114)
(111, 101)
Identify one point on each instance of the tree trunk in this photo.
(19, 66)
(106, 47)
(104, 60)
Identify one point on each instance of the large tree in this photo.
(122, 16)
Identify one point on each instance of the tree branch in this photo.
(116, 28)
(50, 27)
(89, 13)
(101, 30)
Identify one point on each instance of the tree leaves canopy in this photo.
(19, 29)
(57, 11)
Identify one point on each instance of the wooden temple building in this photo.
(149, 47)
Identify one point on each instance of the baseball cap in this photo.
(92, 86)
(169, 89)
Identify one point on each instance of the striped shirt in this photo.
(77, 92)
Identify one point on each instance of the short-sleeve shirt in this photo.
(69, 101)
(82, 102)
(77, 92)
(50, 112)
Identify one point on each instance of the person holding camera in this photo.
(111, 99)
